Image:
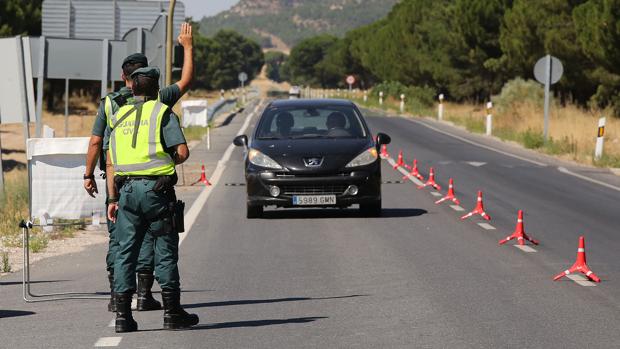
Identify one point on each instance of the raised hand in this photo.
(185, 38)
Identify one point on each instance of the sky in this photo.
(199, 8)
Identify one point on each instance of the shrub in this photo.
(519, 91)
(416, 97)
(532, 139)
(38, 242)
(6, 266)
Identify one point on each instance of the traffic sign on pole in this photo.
(350, 81)
(548, 70)
(243, 77)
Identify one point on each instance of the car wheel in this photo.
(254, 211)
(372, 209)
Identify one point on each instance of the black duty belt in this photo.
(150, 178)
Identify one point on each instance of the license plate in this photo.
(311, 200)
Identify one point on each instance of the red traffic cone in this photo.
(519, 233)
(399, 161)
(580, 265)
(431, 181)
(479, 209)
(384, 152)
(450, 196)
(203, 177)
(414, 171)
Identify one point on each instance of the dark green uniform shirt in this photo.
(171, 133)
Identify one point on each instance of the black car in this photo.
(312, 153)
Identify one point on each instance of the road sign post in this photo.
(243, 77)
(548, 70)
(380, 97)
(350, 81)
(402, 103)
(489, 118)
(440, 108)
(600, 139)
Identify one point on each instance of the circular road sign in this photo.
(540, 69)
(350, 79)
(243, 77)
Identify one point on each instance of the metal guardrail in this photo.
(221, 106)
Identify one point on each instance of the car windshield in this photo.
(310, 122)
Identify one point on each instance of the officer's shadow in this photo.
(257, 323)
(247, 323)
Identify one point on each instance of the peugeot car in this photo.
(312, 153)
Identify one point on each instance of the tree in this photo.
(534, 28)
(20, 17)
(220, 59)
(304, 62)
(476, 27)
(274, 61)
(598, 32)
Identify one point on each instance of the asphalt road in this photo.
(417, 277)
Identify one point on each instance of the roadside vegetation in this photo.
(475, 51)
(518, 117)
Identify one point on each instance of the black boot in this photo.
(146, 301)
(124, 319)
(112, 304)
(174, 315)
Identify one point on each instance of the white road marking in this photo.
(112, 323)
(437, 194)
(486, 226)
(581, 280)
(525, 248)
(585, 178)
(478, 144)
(108, 342)
(457, 208)
(476, 164)
(194, 211)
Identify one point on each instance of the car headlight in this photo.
(259, 159)
(367, 157)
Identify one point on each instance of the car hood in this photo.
(291, 153)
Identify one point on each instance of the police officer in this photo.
(110, 104)
(145, 141)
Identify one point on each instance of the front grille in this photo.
(308, 175)
(319, 189)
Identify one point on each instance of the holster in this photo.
(177, 210)
(166, 182)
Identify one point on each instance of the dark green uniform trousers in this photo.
(143, 214)
(146, 259)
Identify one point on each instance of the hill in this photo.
(283, 23)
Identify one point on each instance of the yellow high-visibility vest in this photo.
(135, 141)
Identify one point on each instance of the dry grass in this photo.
(572, 130)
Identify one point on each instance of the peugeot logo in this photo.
(313, 162)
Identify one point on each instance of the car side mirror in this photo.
(382, 138)
(241, 141)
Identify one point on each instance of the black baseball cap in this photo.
(149, 72)
(136, 58)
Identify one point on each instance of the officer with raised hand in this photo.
(109, 105)
(144, 143)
